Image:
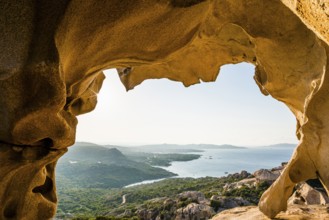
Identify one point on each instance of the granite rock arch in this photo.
(53, 53)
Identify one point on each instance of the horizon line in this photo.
(150, 144)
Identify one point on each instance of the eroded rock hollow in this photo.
(53, 54)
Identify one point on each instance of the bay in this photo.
(220, 162)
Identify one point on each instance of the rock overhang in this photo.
(183, 41)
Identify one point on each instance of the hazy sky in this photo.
(229, 111)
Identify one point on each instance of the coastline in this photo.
(222, 162)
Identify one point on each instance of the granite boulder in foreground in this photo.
(294, 212)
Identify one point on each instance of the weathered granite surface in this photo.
(294, 212)
(53, 54)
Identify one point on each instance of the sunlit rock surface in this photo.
(53, 54)
(294, 212)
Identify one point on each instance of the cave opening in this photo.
(230, 110)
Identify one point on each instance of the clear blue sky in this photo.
(229, 111)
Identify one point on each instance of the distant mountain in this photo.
(282, 145)
(94, 166)
(176, 148)
(158, 148)
(90, 152)
(214, 146)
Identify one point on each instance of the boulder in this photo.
(192, 196)
(195, 211)
(266, 175)
(243, 174)
(223, 202)
(305, 194)
(250, 182)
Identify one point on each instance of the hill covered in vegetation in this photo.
(134, 202)
(91, 180)
(94, 166)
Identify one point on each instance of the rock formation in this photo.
(187, 205)
(53, 54)
(307, 195)
(266, 175)
(194, 211)
(294, 212)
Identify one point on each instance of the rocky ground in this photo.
(232, 197)
(294, 212)
(308, 201)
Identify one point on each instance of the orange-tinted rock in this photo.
(294, 212)
(53, 54)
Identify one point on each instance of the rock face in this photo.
(53, 53)
(307, 195)
(294, 212)
(314, 13)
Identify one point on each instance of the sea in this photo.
(221, 162)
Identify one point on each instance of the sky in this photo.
(231, 110)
